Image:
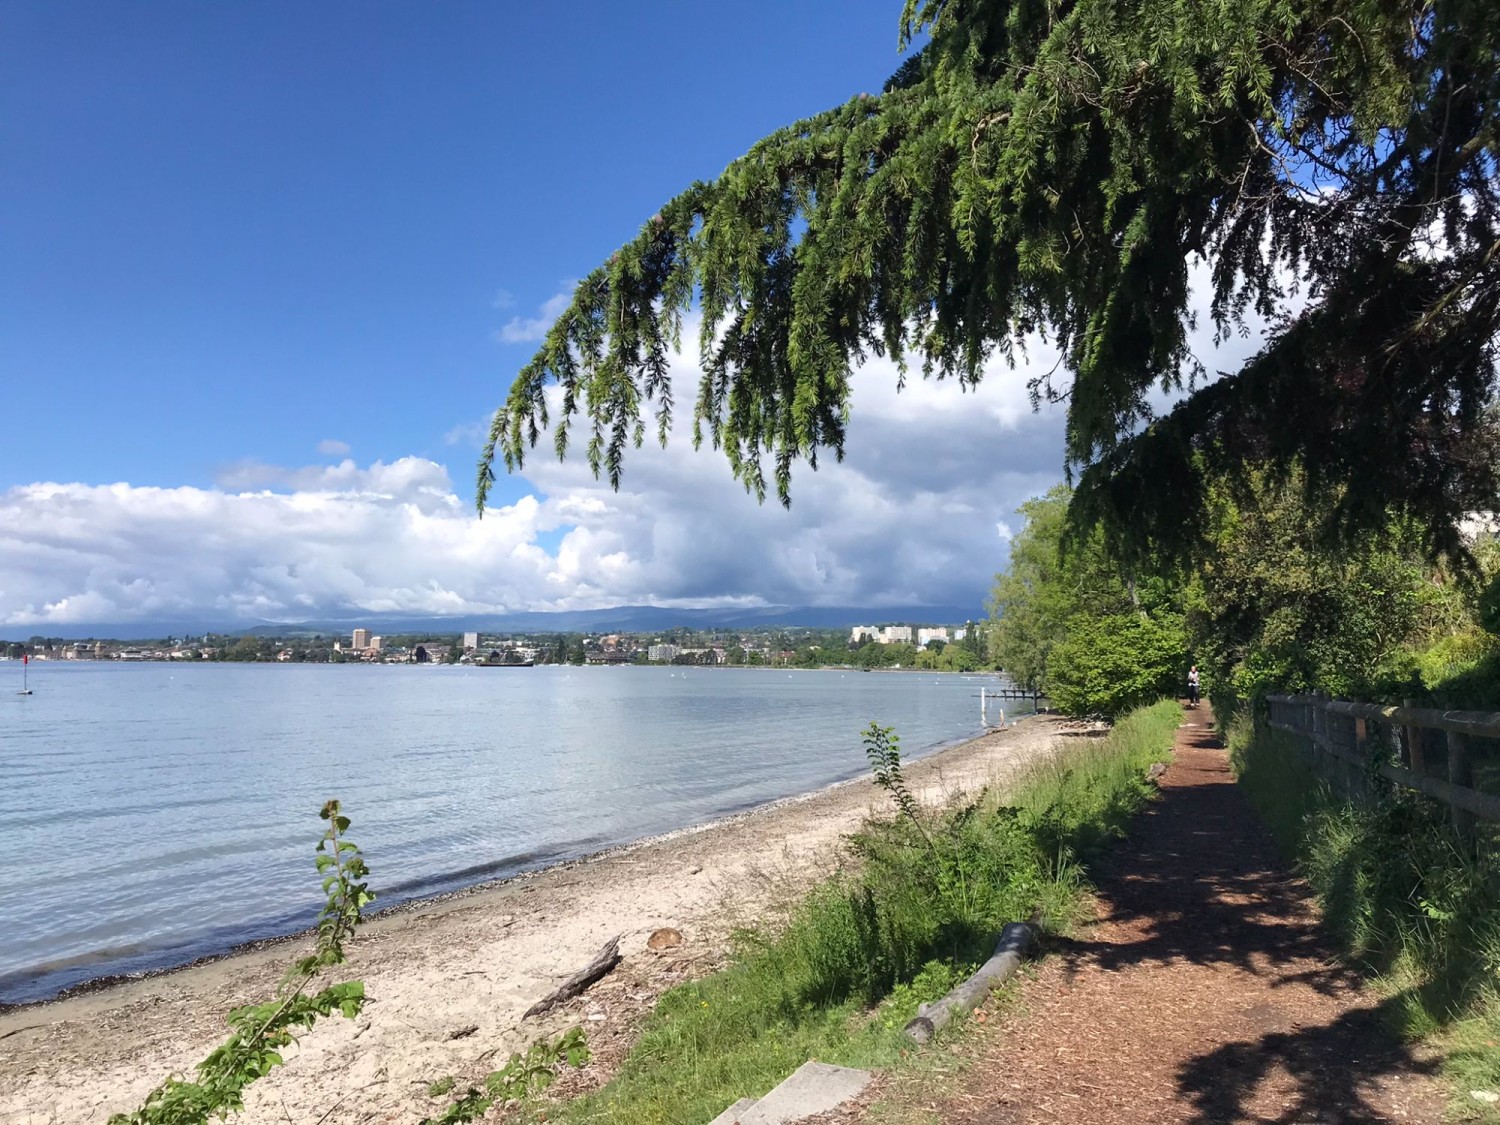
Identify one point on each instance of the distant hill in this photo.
(619, 619)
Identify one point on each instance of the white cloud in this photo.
(531, 330)
(917, 513)
(468, 433)
(332, 447)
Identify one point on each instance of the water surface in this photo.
(153, 813)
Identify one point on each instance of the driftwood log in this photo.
(971, 993)
(605, 960)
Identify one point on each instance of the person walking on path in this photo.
(1193, 686)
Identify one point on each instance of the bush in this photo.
(1107, 666)
(924, 904)
(1398, 892)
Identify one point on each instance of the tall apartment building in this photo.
(471, 640)
(361, 640)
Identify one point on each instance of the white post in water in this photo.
(983, 717)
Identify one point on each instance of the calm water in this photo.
(152, 813)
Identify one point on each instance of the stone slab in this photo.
(813, 1088)
(731, 1116)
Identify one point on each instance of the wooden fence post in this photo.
(1362, 752)
(1416, 760)
(1461, 772)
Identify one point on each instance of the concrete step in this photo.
(811, 1089)
(731, 1116)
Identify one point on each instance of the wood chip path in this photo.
(1205, 991)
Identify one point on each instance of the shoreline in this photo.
(472, 957)
(417, 902)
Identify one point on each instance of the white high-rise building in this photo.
(361, 640)
(471, 641)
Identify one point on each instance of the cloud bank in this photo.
(920, 512)
(910, 517)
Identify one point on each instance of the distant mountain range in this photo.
(619, 619)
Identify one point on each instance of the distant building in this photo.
(926, 636)
(610, 657)
(663, 653)
(375, 643)
(884, 634)
(471, 641)
(361, 640)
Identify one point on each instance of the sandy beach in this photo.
(448, 980)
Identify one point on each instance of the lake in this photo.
(154, 813)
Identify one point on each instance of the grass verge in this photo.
(919, 906)
(1403, 900)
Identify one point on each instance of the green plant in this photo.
(1106, 666)
(262, 1031)
(883, 749)
(523, 1076)
(1403, 899)
(845, 971)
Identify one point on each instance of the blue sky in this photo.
(266, 268)
(236, 230)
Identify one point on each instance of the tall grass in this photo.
(1401, 896)
(920, 905)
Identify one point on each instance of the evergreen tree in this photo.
(1055, 166)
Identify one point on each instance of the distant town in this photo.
(932, 647)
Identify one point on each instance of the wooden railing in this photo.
(1350, 741)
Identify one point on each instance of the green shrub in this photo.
(922, 906)
(1399, 894)
(1107, 666)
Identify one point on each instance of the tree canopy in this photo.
(1055, 167)
(1068, 623)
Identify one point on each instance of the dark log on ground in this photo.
(971, 993)
(605, 960)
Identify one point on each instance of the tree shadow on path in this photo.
(1199, 883)
(1329, 1067)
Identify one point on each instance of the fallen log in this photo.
(605, 960)
(971, 993)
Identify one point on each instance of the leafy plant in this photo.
(883, 749)
(523, 1076)
(845, 971)
(262, 1031)
(1399, 894)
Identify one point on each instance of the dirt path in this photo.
(1205, 991)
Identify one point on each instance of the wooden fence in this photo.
(1434, 752)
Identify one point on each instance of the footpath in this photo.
(1204, 992)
